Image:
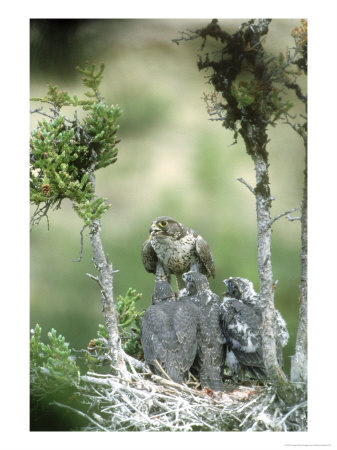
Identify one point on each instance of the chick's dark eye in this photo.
(163, 223)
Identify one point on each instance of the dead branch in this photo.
(247, 185)
(286, 213)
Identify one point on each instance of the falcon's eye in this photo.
(163, 223)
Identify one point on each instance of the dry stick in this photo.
(39, 110)
(125, 398)
(250, 403)
(247, 185)
(81, 248)
(292, 410)
(162, 370)
(286, 213)
(136, 363)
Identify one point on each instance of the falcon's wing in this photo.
(185, 327)
(149, 257)
(209, 364)
(205, 255)
(153, 324)
(169, 336)
(241, 326)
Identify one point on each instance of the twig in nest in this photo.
(162, 371)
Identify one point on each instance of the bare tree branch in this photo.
(247, 185)
(286, 213)
(40, 111)
(81, 249)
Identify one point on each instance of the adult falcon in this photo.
(241, 320)
(173, 249)
(169, 333)
(209, 363)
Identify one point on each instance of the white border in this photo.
(15, 218)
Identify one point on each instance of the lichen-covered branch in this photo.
(263, 204)
(299, 359)
(109, 309)
(298, 371)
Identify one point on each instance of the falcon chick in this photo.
(169, 333)
(209, 363)
(173, 249)
(241, 321)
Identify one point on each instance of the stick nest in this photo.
(148, 402)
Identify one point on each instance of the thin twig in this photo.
(40, 111)
(286, 213)
(81, 249)
(292, 410)
(103, 290)
(247, 185)
(291, 219)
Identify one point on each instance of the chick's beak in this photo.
(225, 282)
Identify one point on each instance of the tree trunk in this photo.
(106, 282)
(298, 371)
(263, 204)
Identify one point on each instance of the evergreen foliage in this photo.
(65, 152)
(55, 377)
(251, 82)
(52, 367)
(129, 323)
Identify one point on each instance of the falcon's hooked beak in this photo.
(154, 228)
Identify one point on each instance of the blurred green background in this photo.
(172, 161)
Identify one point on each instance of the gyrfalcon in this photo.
(173, 249)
